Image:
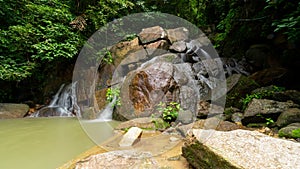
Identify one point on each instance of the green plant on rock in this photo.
(169, 111)
(269, 121)
(108, 57)
(111, 93)
(260, 94)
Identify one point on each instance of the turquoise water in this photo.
(47, 143)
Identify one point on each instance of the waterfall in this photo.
(106, 113)
(64, 103)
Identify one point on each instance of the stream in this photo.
(47, 143)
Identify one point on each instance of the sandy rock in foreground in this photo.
(240, 149)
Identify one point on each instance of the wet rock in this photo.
(152, 34)
(53, 111)
(178, 34)
(130, 137)
(178, 46)
(289, 116)
(265, 108)
(290, 131)
(239, 149)
(11, 110)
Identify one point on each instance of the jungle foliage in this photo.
(37, 34)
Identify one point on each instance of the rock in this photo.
(185, 117)
(152, 34)
(101, 97)
(145, 123)
(237, 117)
(283, 96)
(266, 77)
(239, 89)
(240, 149)
(11, 110)
(216, 124)
(229, 111)
(157, 48)
(232, 80)
(119, 52)
(232, 65)
(289, 116)
(173, 139)
(119, 160)
(178, 34)
(130, 137)
(156, 77)
(260, 56)
(188, 99)
(203, 109)
(178, 46)
(290, 131)
(53, 111)
(266, 108)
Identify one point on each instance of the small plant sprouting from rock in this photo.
(111, 93)
(170, 111)
(269, 121)
(108, 57)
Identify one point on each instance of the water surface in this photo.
(47, 143)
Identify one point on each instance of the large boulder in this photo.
(240, 149)
(11, 110)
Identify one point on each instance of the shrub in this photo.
(170, 111)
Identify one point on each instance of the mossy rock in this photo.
(244, 86)
(200, 156)
(290, 131)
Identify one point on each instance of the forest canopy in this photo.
(37, 34)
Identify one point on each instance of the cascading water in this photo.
(64, 103)
(106, 114)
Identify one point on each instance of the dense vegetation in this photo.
(39, 37)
